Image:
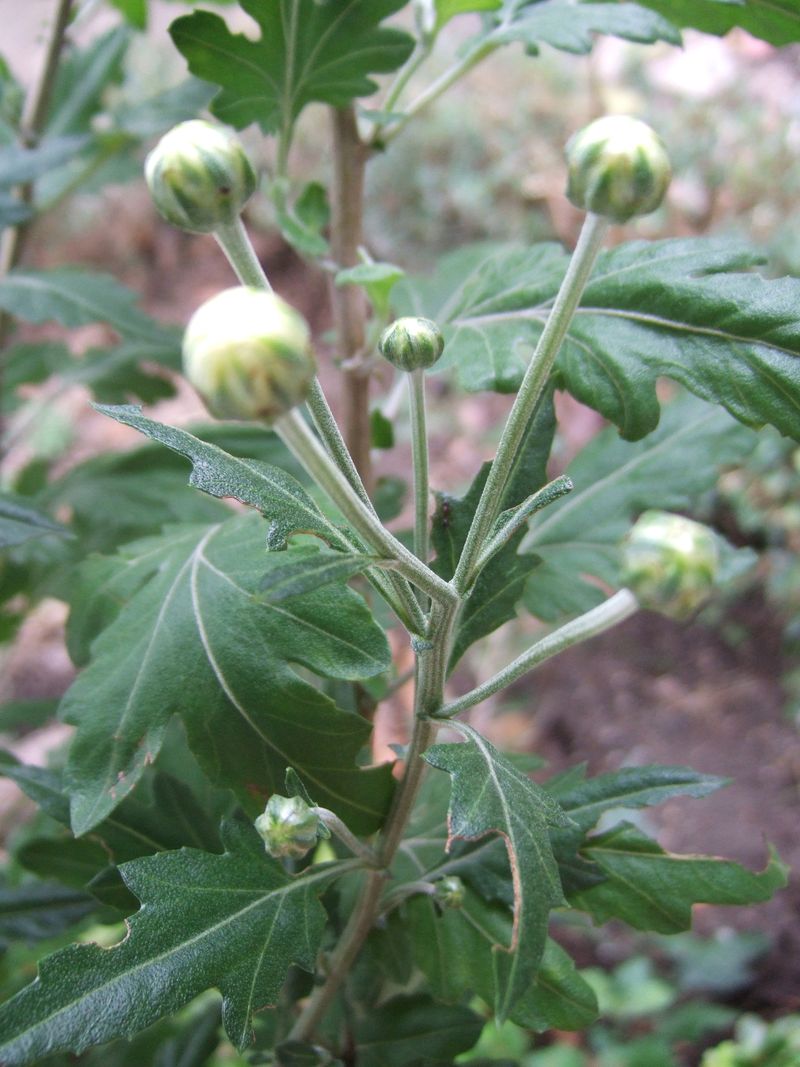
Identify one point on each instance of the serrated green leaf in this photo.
(651, 889)
(193, 639)
(76, 297)
(307, 568)
(572, 25)
(615, 481)
(306, 52)
(234, 922)
(776, 21)
(415, 1029)
(500, 585)
(682, 309)
(269, 489)
(490, 796)
(19, 522)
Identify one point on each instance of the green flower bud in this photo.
(618, 168)
(449, 892)
(412, 343)
(199, 176)
(288, 827)
(247, 353)
(670, 563)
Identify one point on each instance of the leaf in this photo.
(577, 538)
(193, 639)
(76, 297)
(651, 889)
(269, 489)
(302, 223)
(306, 52)
(415, 1029)
(84, 75)
(776, 21)
(490, 796)
(35, 911)
(377, 279)
(682, 308)
(572, 25)
(501, 583)
(307, 568)
(19, 522)
(135, 11)
(18, 164)
(63, 859)
(448, 9)
(234, 922)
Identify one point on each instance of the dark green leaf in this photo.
(572, 25)
(234, 922)
(500, 585)
(19, 522)
(307, 568)
(390, 497)
(776, 21)
(682, 308)
(26, 714)
(654, 890)
(269, 489)
(64, 859)
(381, 430)
(35, 911)
(306, 52)
(76, 297)
(415, 1030)
(490, 796)
(194, 639)
(615, 481)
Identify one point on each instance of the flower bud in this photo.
(449, 892)
(199, 176)
(247, 353)
(618, 168)
(288, 827)
(670, 563)
(412, 343)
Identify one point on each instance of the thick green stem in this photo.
(536, 376)
(608, 614)
(419, 450)
(299, 439)
(235, 243)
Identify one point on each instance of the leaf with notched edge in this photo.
(489, 795)
(193, 639)
(234, 922)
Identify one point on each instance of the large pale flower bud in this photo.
(412, 343)
(618, 168)
(670, 563)
(288, 827)
(247, 353)
(199, 176)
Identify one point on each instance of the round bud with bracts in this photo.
(412, 343)
(670, 563)
(618, 168)
(288, 827)
(248, 354)
(199, 176)
(449, 892)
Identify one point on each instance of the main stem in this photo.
(350, 156)
(419, 451)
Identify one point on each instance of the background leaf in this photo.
(572, 25)
(416, 1030)
(776, 21)
(19, 522)
(307, 52)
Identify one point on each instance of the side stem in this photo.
(234, 242)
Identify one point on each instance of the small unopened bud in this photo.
(618, 168)
(449, 892)
(670, 563)
(412, 343)
(288, 827)
(247, 353)
(199, 176)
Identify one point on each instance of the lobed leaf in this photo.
(489, 795)
(306, 52)
(234, 922)
(776, 21)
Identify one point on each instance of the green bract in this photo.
(618, 168)
(670, 563)
(288, 827)
(412, 343)
(199, 176)
(247, 353)
(450, 891)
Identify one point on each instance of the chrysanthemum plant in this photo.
(218, 793)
